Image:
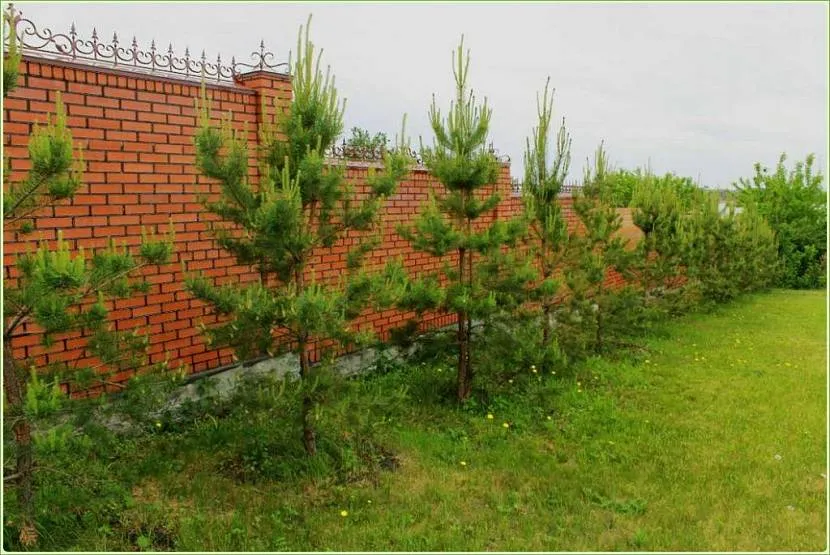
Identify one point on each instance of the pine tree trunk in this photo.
(468, 384)
(15, 394)
(546, 324)
(309, 438)
(463, 380)
(545, 302)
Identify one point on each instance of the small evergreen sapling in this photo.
(661, 211)
(733, 251)
(594, 252)
(57, 292)
(478, 280)
(301, 206)
(543, 181)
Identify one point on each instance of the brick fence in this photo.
(136, 132)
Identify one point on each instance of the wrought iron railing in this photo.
(112, 54)
(567, 188)
(570, 188)
(346, 151)
(69, 46)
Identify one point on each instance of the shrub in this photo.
(362, 143)
(621, 185)
(732, 250)
(794, 204)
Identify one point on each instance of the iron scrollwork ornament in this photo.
(69, 46)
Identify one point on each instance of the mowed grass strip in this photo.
(712, 438)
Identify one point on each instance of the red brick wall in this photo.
(136, 132)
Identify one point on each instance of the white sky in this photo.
(704, 89)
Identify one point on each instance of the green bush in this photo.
(795, 206)
(363, 142)
(621, 185)
(661, 208)
(732, 249)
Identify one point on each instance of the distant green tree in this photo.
(480, 280)
(362, 141)
(794, 203)
(622, 183)
(300, 204)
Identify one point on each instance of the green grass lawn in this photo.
(712, 438)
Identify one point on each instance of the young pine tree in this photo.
(543, 181)
(733, 251)
(301, 205)
(55, 292)
(470, 286)
(660, 211)
(595, 251)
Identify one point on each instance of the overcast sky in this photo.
(704, 90)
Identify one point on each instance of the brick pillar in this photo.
(273, 90)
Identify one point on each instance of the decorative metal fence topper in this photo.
(44, 43)
(112, 54)
(567, 188)
(345, 151)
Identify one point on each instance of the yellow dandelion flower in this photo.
(463, 463)
(344, 513)
(489, 416)
(505, 425)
